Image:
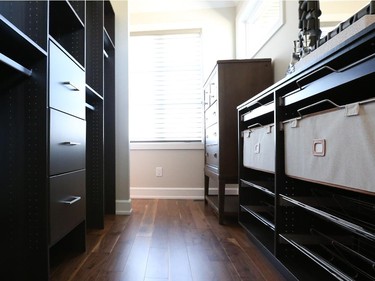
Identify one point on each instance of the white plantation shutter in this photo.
(165, 86)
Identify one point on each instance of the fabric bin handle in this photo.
(317, 103)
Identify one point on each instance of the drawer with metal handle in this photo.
(212, 155)
(214, 90)
(66, 83)
(211, 89)
(67, 143)
(212, 135)
(67, 203)
(211, 115)
(259, 147)
(334, 147)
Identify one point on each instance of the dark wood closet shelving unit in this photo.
(312, 227)
(57, 96)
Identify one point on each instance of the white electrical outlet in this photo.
(159, 171)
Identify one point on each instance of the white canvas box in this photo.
(259, 148)
(335, 147)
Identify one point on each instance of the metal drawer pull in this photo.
(70, 86)
(255, 125)
(70, 143)
(71, 200)
(314, 104)
(331, 70)
(319, 71)
(332, 103)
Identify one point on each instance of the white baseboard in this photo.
(174, 192)
(229, 190)
(167, 193)
(124, 207)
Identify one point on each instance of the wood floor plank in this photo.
(203, 268)
(157, 263)
(179, 266)
(131, 229)
(185, 215)
(90, 269)
(244, 265)
(161, 226)
(117, 260)
(147, 223)
(199, 218)
(136, 263)
(107, 244)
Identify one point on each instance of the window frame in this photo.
(248, 12)
(170, 144)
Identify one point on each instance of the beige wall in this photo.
(337, 11)
(280, 46)
(123, 202)
(182, 173)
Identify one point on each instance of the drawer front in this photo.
(259, 148)
(211, 90)
(212, 155)
(66, 83)
(334, 147)
(214, 89)
(206, 92)
(211, 115)
(212, 135)
(67, 143)
(67, 203)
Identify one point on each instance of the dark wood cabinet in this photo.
(67, 125)
(52, 100)
(305, 186)
(230, 83)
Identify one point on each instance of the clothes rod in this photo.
(15, 65)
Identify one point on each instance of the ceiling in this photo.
(147, 6)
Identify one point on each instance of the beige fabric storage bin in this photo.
(259, 148)
(335, 147)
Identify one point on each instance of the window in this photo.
(165, 86)
(257, 21)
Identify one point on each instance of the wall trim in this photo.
(174, 192)
(124, 207)
(166, 146)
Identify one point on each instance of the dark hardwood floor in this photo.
(166, 240)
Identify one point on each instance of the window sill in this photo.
(165, 146)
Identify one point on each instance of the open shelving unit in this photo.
(53, 93)
(312, 215)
